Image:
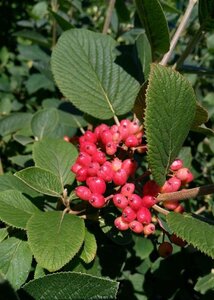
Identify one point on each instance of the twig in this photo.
(116, 120)
(108, 16)
(200, 210)
(178, 32)
(1, 168)
(160, 209)
(186, 194)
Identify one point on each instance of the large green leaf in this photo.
(193, 230)
(144, 54)
(170, 110)
(15, 261)
(54, 238)
(15, 209)
(3, 234)
(56, 156)
(85, 72)
(71, 285)
(44, 122)
(206, 14)
(89, 247)
(14, 122)
(41, 180)
(153, 20)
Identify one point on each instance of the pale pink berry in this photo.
(66, 138)
(128, 189)
(83, 159)
(120, 177)
(131, 141)
(82, 174)
(120, 201)
(175, 183)
(96, 185)
(116, 164)
(130, 166)
(116, 138)
(93, 168)
(171, 205)
(149, 229)
(134, 127)
(136, 226)
(128, 214)
(184, 175)
(83, 192)
(148, 201)
(114, 129)
(99, 157)
(144, 216)
(176, 165)
(179, 209)
(124, 128)
(97, 200)
(135, 201)
(167, 187)
(120, 224)
(111, 148)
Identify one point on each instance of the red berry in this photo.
(82, 174)
(149, 229)
(116, 164)
(134, 127)
(99, 157)
(120, 201)
(97, 200)
(128, 189)
(151, 188)
(106, 136)
(88, 147)
(83, 159)
(179, 209)
(66, 138)
(76, 167)
(175, 183)
(93, 168)
(165, 249)
(96, 185)
(131, 141)
(171, 205)
(148, 201)
(120, 224)
(183, 175)
(136, 226)
(114, 129)
(90, 136)
(128, 214)
(176, 165)
(130, 166)
(144, 216)
(105, 172)
(111, 148)
(135, 201)
(120, 177)
(83, 192)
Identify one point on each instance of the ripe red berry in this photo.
(130, 166)
(96, 185)
(83, 192)
(135, 201)
(171, 205)
(128, 189)
(90, 136)
(179, 209)
(134, 127)
(88, 147)
(175, 183)
(167, 187)
(144, 216)
(106, 136)
(76, 167)
(128, 214)
(84, 159)
(149, 229)
(136, 226)
(97, 200)
(176, 165)
(131, 141)
(165, 249)
(105, 172)
(99, 157)
(184, 175)
(148, 201)
(81, 174)
(116, 164)
(111, 148)
(93, 168)
(120, 201)
(151, 188)
(120, 177)
(120, 224)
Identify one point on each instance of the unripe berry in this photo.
(175, 183)
(120, 201)
(151, 188)
(131, 141)
(83, 192)
(93, 168)
(82, 174)
(135, 201)
(116, 164)
(120, 177)
(165, 249)
(130, 166)
(99, 157)
(128, 214)
(83, 159)
(88, 147)
(148, 201)
(171, 205)
(149, 229)
(66, 138)
(176, 165)
(90, 136)
(97, 200)
(128, 189)
(111, 148)
(96, 185)
(120, 224)
(144, 216)
(184, 175)
(136, 226)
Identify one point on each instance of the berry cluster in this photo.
(106, 159)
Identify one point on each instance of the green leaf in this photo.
(6, 290)
(34, 37)
(62, 22)
(144, 54)
(15, 261)
(14, 122)
(44, 122)
(201, 116)
(89, 247)
(193, 230)
(168, 118)
(71, 119)
(39, 81)
(56, 156)
(143, 247)
(54, 238)
(205, 283)
(15, 209)
(41, 180)
(206, 14)
(71, 285)
(153, 20)
(3, 234)
(84, 69)
(39, 272)
(140, 102)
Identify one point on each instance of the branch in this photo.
(179, 31)
(108, 16)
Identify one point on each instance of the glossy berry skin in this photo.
(96, 185)
(81, 174)
(131, 141)
(176, 165)
(83, 192)
(165, 249)
(144, 216)
(111, 148)
(184, 175)
(135, 201)
(167, 187)
(128, 214)
(179, 209)
(90, 136)
(106, 136)
(136, 226)
(76, 167)
(93, 169)
(128, 189)
(171, 205)
(88, 147)
(129, 165)
(148, 201)
(149, 229)
(120, 201)
(97, 200)
(175, 183)
(105, 172)
(99, 157)
(84, 159)
(120, 224)
(120, 177)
